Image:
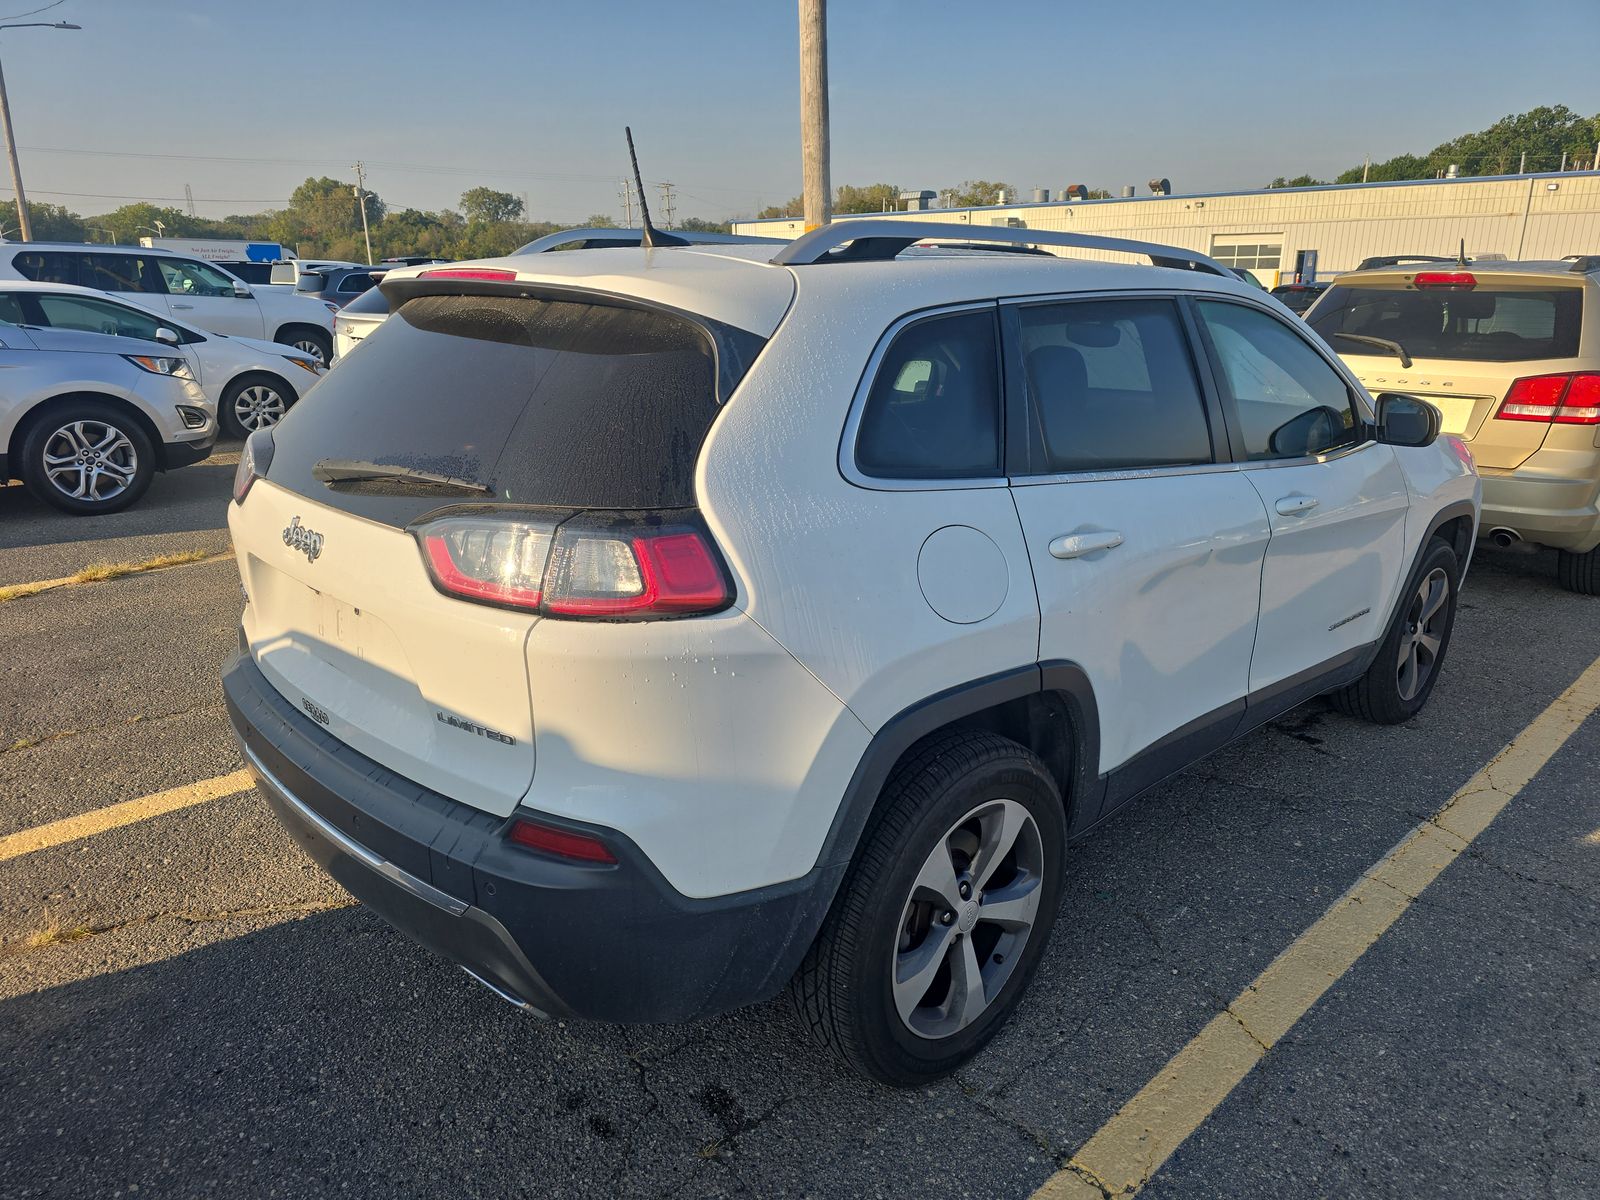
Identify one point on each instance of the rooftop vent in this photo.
(1161, 187)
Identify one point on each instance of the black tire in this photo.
(106, 451)
(257, 408)
(308, 338)
(845, 991)
(1579, 572)
(1382, 695)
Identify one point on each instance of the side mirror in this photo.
(241, 288)
(168, 336)
(1406, 421)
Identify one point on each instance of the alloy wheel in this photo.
(310, 346)
(1422, 637)
(90, 460)
(967, 919)
(258, 407)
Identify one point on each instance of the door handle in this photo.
(183, 306)
(1076, 545)
(1293, 506)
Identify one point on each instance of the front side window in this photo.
(1111, 386)
(113, 273)
(1290, 402)
(96, 316)
(186, 277)
(934, 408)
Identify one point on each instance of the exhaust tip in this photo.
(1504, 537)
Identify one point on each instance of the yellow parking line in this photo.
(70, 829)
(1128, 1149)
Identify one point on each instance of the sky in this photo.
(242, 101)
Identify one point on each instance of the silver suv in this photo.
(87, 419)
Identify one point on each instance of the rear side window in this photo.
(47, 268)
(1486, 324)
(355, 282)
(370, 301)
(115, 273)
(1111, 386)
(934, 408)
(1289, 400)
(546, 402)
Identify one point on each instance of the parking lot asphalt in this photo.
(188, 1008)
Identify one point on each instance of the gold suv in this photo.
(1509, 352)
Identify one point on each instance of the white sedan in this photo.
(251, 382)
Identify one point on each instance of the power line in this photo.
(33, 12)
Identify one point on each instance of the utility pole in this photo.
(817, 187)
(24, 223)
(1522, 167)
(666, 202)
(361, 198)
(625, 193)
(188, 194)
(1366, 168)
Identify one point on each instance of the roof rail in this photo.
(879, 241)
(1582, 264)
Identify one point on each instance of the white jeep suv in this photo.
(186, 289)
(644, 629)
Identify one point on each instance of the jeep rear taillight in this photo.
(254, 459)
(1554, 399)
(591, 565)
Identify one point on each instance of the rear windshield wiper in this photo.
(1393, 347)
(332, 471)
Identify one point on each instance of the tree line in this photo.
(1541, 139)
(323, 220)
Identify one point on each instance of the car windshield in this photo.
(1486, 324)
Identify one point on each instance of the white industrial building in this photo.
(1521, 216)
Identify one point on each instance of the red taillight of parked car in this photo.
(1455, 281)
(1554, 399)
(596, 566)
(563, 843)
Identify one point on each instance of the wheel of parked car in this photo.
(1579, 572)
(1402, 676)
(87, 457)
(941, 920)
(253, 402)
(316, 342)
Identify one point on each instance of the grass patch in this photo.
(102, 571)
(55, 935)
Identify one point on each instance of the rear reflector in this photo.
(1456, 280)
(598, 566)
(1554, 399)
(560, 842)
(486, 274)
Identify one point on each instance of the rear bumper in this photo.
(1548, 509)
(613, 943)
